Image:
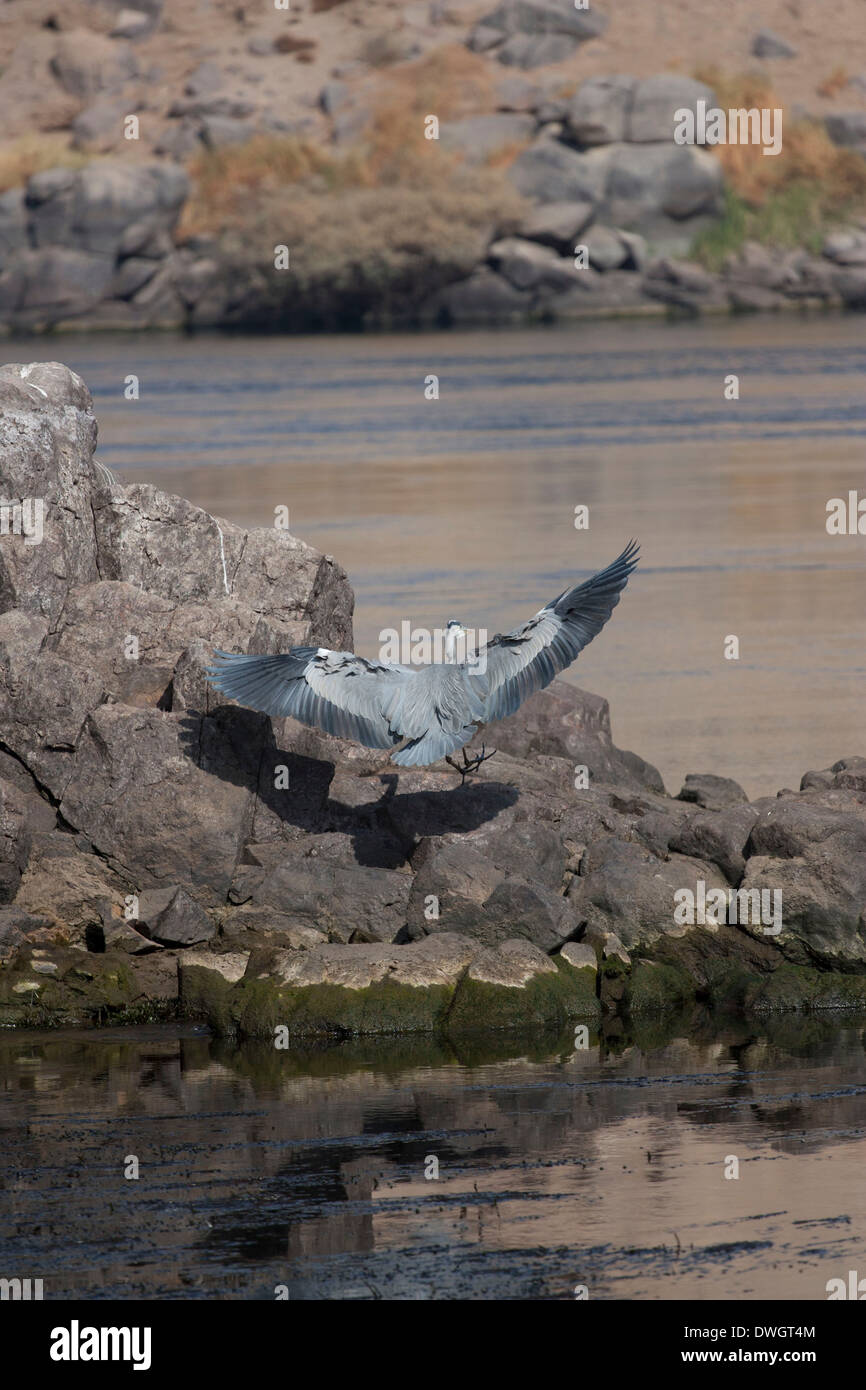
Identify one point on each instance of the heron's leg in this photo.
(470, 764)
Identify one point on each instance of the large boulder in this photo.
(566, 722)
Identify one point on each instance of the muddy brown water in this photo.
(557, 1168)
(464, 506)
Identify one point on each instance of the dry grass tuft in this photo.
(31, 154)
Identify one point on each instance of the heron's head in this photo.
(453, 633)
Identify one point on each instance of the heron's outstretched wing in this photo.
(338, 692)
(527, 659)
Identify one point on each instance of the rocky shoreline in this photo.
(164, 853)
(599, 217)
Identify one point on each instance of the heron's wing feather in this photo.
(341, 693)
(527, 659)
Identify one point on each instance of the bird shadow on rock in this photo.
(238, 746)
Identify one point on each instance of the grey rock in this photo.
(333, 96)
(545, 17)
(224, 130)
(204, 81)
(13, 223)
(484, 38)
(767, 44)
(47, 442)
(845, 248)
(87, 64)
(134, 24)
(477, 137)
(146, 239)
(580, 955)
(92, 210)
(847, 128)
(565, 722)
(484, 297)
(719, 838)
(15, 840)
(549, 172)
(557, 224)
(350, 902)
(714, 793)
(598, 113)
(518, 94)
(238, 108)
(535, 50)
(654, 102)
(131, 276)
(172, 917)
(528, 265)
(607, 250)
(628, 891)
(260, 46)
(100, 126)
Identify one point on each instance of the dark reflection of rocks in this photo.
(259, 1168)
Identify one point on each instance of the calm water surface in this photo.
(603, 1167)
(465, 506)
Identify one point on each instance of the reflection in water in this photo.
(604, 1167)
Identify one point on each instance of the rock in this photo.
(550, 172)
(333, 96)
(15, 841)
(484, 297)
(348, 902)
(629, 186)
(847, 128)
(133, 24)
(18, 929)
(90, 209)
(130, 277)
(625, 890)
(654, 102)
(527, 266)
(146, 239)
(87, 64)
(580, 955)
(223, 130)
(52, 284)
(714, 793)
(598, 113)
(47, 438)
(518, 94)
(13, 223)
(422, 987)
(607, 250)
(719, 838)
(535, 50)
(477, 137)
(545, 17)
(204, 81)
(850, 286)
(846, 248)
(237, 108)
(767, 44)
(557, 224)
(100, 126)
(565, 722)
(682, 284)
(260, 46)
(172, 917)
(483, 38)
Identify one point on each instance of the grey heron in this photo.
(432, 710)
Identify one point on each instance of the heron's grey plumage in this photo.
(433, 710)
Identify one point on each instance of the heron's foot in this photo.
(470, 764)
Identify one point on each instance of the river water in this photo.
(465, 506)
(602, 1169)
